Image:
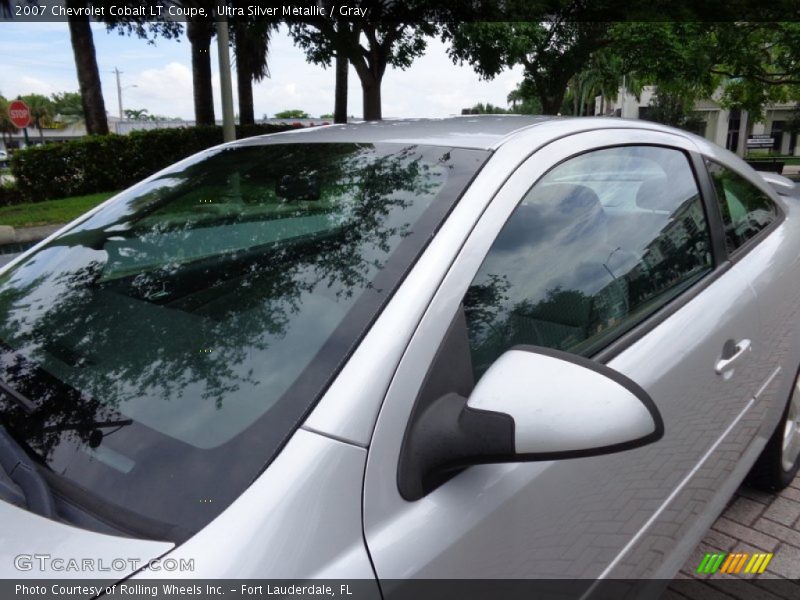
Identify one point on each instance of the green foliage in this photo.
(6, 126)
(67, 107)
(485, 109)
(674, 110)
(550, 53)
(8, 194)
(523, 100)
(49, 212)
(744, 65)
(41, 108)
(326, 116)
(294, 113)
(142, 114)
(136, 114)
(111, 162)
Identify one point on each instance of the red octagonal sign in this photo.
(20, 113)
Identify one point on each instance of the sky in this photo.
(37, 58)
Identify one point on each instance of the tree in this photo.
(199, 31)
(742, 65)
(340, 90)
(41, 109)
(523, 100)
(392, 34)
(674, 110)
(292, 114)
(251, 42)
(485, 109)
(136, 114)
(6, 126)
(67, 107)
(93, 105)
(551, 53)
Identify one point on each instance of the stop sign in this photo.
(20, 113)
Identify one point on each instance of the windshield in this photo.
(156, 356)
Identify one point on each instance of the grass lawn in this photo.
(50, 212)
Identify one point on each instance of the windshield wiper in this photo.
(22, 479)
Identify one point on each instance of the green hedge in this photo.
(9, 195)
(102, 163)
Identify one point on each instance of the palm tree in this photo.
(41, 108)
(94, 108)
(199, 31)
(252, 52)
(603, 76)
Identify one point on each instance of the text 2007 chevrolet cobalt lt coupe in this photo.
(472, 348)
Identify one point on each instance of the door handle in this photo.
(734, 354)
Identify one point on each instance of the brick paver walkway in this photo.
(754, 521)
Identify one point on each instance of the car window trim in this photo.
(780, 216)
(724, 260)
(719, 259)
(712, 208)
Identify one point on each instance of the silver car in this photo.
(480, 347)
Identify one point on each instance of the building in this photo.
(728, 128)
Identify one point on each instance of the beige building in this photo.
(725, 127)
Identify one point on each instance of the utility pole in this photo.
(119, 91)
(228, 127)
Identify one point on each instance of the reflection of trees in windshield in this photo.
(198, 324)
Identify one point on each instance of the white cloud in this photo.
(36, 86)
(164, 91)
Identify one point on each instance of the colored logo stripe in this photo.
(734, 563)
(711, 563)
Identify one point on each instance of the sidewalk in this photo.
(26, 235)
(754, 521)
(791, 171)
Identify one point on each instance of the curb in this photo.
(26, 235)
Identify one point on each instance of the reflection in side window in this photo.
(598, 244)
(745, 209)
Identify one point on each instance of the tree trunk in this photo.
(575, 102)
(372, 100)
(199, 33)
(244, 83)
(551, 102)
(551, 95)
(94, 108)
(340, 101)
(244, 74)
(370, 74)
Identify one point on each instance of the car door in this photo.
(601, 245)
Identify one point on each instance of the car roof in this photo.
(484, 132)
(477, 131)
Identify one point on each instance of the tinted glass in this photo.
(745, 209)
(598, 244)
(170, 343)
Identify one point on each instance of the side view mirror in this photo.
(532, 404)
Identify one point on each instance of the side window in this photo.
(746, 210)
(598, 244)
